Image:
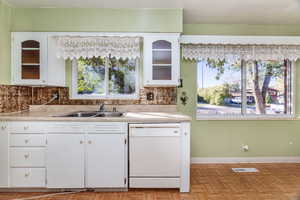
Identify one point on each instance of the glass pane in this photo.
(268, 88)
(31, 56)
(30, 60)
(122, 76)
(162, 57)
(161, 44)
(162, 72)
(30, 72)
(219, 88)
(91, 76)
(30, 44)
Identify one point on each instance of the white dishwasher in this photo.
(154, 155)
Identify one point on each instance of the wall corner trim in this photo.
(222, 160)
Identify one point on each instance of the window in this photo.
(109, 78)
(244, 89)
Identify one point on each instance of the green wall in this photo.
(96, 19)
(224, 138)
(5, 23)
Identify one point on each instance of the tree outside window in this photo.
(244, 88)
(105, 77)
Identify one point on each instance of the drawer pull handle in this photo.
(26, 156)
(26, 141)
(175, 132)
(27, 175)
(26, 127)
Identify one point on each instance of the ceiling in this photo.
(195, 11)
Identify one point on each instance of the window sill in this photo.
(112, 97)
(251, 118)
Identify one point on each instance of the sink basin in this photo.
(92, 114)
(110, 114)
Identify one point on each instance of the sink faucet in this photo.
(101, 108)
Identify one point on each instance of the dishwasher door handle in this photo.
(154, 132)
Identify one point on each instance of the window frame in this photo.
(106, 96)
(244, 115)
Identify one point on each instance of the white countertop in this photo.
(150, 117)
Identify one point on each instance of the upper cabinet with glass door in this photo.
(34, 61)
(161, 61)
(29, 59)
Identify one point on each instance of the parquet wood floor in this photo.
(209, 182)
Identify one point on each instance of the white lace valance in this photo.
(70, 47)
(238, 52)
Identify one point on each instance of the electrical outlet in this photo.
(245, 147)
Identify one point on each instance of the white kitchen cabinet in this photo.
(27, 177)
(4, 162)
(65, 160)
(161, 60)
(34, 62)
(106, 160)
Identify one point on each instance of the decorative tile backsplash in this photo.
(16, 98)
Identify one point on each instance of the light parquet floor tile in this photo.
(209, 182)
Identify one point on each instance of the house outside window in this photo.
(244, 88)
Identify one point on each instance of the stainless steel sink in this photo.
(92, 114)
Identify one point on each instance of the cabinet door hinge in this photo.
(125, 181)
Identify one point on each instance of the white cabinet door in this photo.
(161, 61)
(3, 155)
(34, 60)
(29, 58)
(56, 66)
(65, 160)
(106, 161)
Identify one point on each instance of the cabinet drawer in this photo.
(27, 140)
(26, 127)
(27, 157)
(27, 177)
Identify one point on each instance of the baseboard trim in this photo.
(216, 160)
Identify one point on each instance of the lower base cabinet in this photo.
(92, 155)
(4, 152)
(86, 161)
(106, 161)
(65, 160)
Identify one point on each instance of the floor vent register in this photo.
(241, 170)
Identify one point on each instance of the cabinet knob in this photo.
(90, 142)
(175, 132)
(26, 141)
(26, 156)
(44, 81)
(26, 127)
(81, 142)
(27, 175)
